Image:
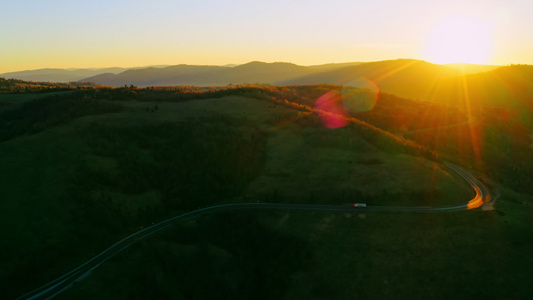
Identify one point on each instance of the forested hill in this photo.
(22, 86)
(510, 86)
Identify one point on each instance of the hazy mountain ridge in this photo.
(63, 75)
(507, 86)
(274, 73)
(187, 74)
(510, 86)
(401, 76)
(454, 84)
(78, 74)
(472, 68)
(405, 77)
(204, 75)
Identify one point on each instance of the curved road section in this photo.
(482, 192)
(58, 285)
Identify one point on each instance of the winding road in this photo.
(60, 284)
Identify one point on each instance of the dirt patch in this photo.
(487, 206)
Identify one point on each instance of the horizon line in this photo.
(253, 61)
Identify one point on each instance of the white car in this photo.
(359, 205)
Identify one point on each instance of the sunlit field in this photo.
(123, 161)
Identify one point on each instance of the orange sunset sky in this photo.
(90, 34)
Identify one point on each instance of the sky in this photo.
(94, 34)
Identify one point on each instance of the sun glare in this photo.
(459, 39)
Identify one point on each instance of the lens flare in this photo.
(355, 100)
(330, 109)
(336, 106)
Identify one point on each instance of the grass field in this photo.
(76, 185)
(318, 255)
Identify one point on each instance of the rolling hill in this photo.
(404, 77)
(450, 84)
(510, 86)
(96, 164)
(390, 74)
(84, 168)
(59, 75)
(186, 74)
(203, 75)
(472, 68)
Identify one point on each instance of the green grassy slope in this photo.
(80, 173)
(317, 255)
(505, 87)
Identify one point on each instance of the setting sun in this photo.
(459, 39)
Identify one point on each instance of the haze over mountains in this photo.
(61, 75)
(282, 73)
(253, 72)
(509, 86)
(415, 79)
(272, 73)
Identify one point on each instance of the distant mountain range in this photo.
(453, 83)
(356, 74)
(253, 72)
(61, 75)
(353, 73)
(456, 84)
(510, 86)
